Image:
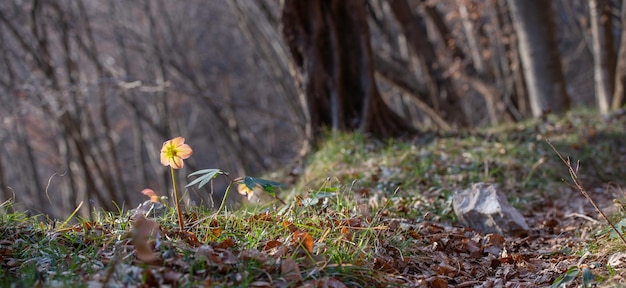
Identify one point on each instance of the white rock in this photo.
(617, 260)
(484, 208)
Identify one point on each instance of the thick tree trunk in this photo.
(329, 43)
(603, 55)
(534, 24)
(620, 78)
(446, 99)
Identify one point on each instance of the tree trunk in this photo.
(447, 100)
(472, 38)
(620, 78)
(603, 55)
(534, 24)
(330, 50)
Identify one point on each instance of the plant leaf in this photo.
(588, 277)
(209, 174)
(566, 278)
(303, 238)
(267, 185)
(249, 182)
(205, 171)
(143, 230)
(621, 225)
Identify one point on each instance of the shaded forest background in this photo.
(91, 89)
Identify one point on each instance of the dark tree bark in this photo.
(620, 77)
(534, 24)
(444, 97)
(331, 55)
(603, 54)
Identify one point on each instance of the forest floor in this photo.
(365, 213)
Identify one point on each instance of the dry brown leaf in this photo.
(438, 283)
(290, 271)
(346, 233)
(143, 230)
(227, 243)
(353, 222)
(271, 245)
(150, 280)
(304, 239)
(190, 238)
(324, 282)
(265, 217)
(171, 277)
(290, 226)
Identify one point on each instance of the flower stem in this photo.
(181, 223)
(224, 198)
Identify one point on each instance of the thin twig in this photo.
(573, 174)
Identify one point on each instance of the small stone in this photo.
(617, 260)
(484, 208)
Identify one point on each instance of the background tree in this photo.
(620, 75)
(92, 88)
(539, 53)
(603, 53)
(330, 47)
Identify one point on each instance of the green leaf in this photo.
(267, 185)
(249, 181)
(206, 171)
(588, 277)
(566, 278)
(621, 225)
(209, 174)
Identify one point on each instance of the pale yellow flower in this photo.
(174, 151)
(246, 191)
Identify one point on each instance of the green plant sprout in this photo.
(248, 186)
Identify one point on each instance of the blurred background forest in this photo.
(91, 89)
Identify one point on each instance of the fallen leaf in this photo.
(226, 244)
(438, 283)
(190, 238)
(171, 277)
(290, 226)
(143, 230)
(290, 271)
(149, 279)
(346, 233)
(304, 239)
(271, 245)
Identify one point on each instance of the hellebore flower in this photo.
(174, 151)
(245, 190)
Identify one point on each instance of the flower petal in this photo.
(244, 190)
(164, 159)
(177, 162)
(150, 193)
(184, 151)
(178, 141)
